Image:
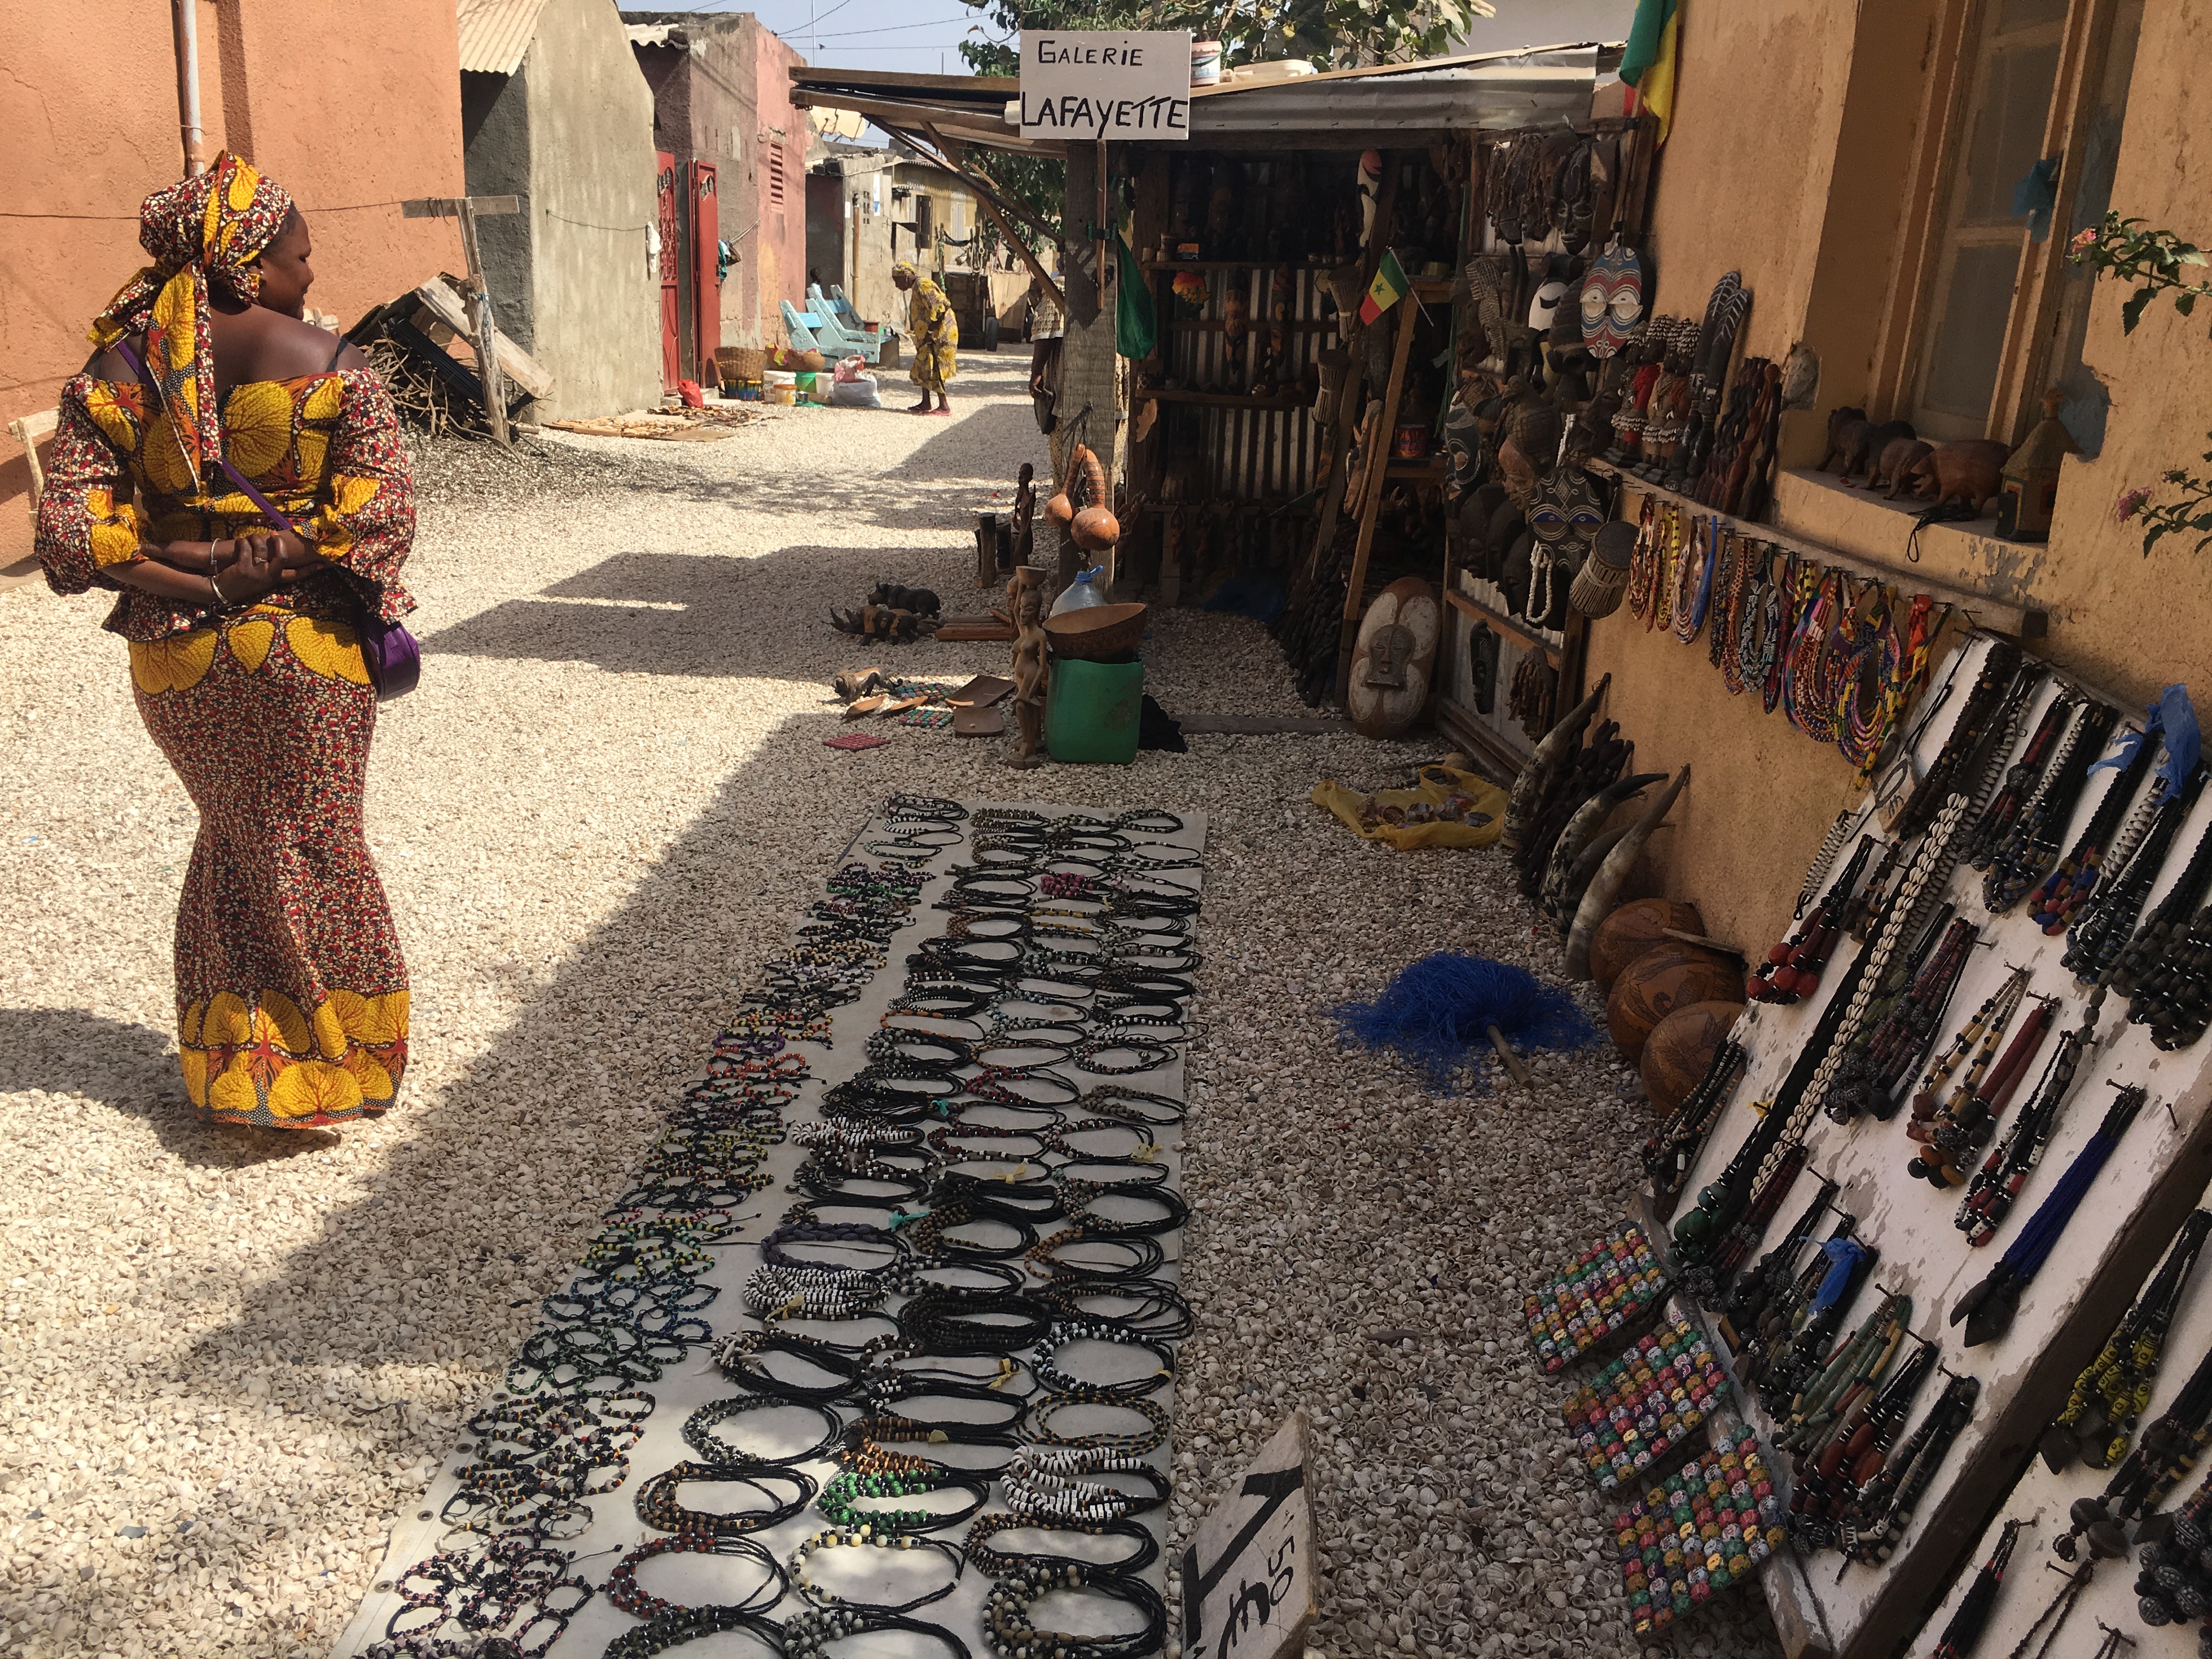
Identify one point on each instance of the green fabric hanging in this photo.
(1136, 325)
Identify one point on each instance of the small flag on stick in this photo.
(1388, 287)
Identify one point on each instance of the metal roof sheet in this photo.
(495, 34)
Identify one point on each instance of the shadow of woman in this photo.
(132, 1070)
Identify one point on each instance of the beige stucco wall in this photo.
(1771, 94)
(88, 128)
(597, 308)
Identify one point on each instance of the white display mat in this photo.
(2114, 1239)
(696, 1382)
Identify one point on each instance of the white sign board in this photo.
(1092, 83)
(1248, 1578)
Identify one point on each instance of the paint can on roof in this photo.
(1205, 63)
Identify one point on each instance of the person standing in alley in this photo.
(205, 390)
(936, 333)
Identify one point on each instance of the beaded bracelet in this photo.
(622, 1590)
(1148, 1056)
(890, 1390)
(996, 1563)
(841, 1498)
(868, 1536)
(732, 1354)
(809, 1632)
(657, 1506)
(1146, 1252)
(699, 1429)
(1160, 1311)
(953, 1323)
(1011, 1631)
(1036, 1422)
(680, 1625)
(1057, 1381)
(1033, 1494)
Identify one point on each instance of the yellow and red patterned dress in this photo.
(291, 991)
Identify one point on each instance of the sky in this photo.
(923, 37)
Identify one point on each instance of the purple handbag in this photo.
(389, 652)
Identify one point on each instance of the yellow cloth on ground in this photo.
(1450, 808)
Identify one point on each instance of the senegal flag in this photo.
(1388, 287)
(1649, 62)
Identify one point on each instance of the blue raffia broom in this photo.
(1438, 1009)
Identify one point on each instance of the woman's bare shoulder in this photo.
(266, 345)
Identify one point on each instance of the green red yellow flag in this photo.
(1653, 53)
(1388, 287)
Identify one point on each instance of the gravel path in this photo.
(223, 1374)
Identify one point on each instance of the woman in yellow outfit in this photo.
(292, 994)
(936, 333)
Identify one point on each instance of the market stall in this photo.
(1924, 1175)
(884, 1329)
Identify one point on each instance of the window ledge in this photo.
(1965, 553)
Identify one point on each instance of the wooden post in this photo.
(1377, 461)
(1349, 395)
(494, 384)
(466, 208)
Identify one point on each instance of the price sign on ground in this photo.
(1248, 1577)
(1094, 84)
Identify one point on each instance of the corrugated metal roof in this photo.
(495, 34)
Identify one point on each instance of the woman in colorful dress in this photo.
(291, 992)
(936, 333)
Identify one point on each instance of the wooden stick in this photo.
(985, 199)
(1505, 1053)
(495, 388)
(1371, 500)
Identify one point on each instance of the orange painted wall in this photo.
(344, 102)
(1792, 116)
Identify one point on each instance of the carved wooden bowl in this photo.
(1096, 631)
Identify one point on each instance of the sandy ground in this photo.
(223, 1374)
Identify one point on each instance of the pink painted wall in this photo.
(779, 246)
(345, 103)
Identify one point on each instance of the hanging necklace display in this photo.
(1842, 1464)
(1709, 1281)
(1797, 1336)
(1727, 595)
(1884, 1508)
(1963, 1631)
(1741, 665)
(1643, 565)
(1987, 1309)
(2102, 928)
(1823, 858)
(1821, 595)
(1984, 726)
(1906, 652)
(2166, 1452)
(1673, 530)
(1854, 1370)
(1693, 578)
(1955, 1134)
(1868, 1083)
(1792, 968)
(1862, 658)
(2020, 781)
(2055, 1614)
(2027, 850)
(2163, 972)
(1668, 1153)
(2110, 1395)
(2065, 887)
(1767, 1298)
(1990, 1192)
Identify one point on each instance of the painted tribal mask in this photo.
(1613, 300)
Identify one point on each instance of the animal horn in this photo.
(1605, 886)
(1575, 881)
(1529, 787)
(1581, 829)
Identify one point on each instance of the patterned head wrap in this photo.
(905, 268)
(213, 227)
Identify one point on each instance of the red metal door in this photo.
(671, 366)
(705, 248)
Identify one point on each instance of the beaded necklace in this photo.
(1693, 578)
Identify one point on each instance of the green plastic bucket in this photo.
(1092, 711)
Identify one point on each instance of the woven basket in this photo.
(740, 362)
(1096, 631)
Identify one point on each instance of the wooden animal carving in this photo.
(1847, 429)
(1899, 457)
(1969, 470)
(1868, 444)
